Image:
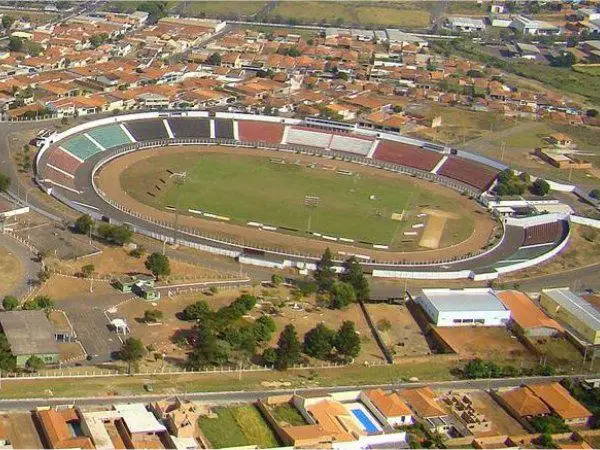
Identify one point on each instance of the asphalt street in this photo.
(249, 396)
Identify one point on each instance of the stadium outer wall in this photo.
(270, 259)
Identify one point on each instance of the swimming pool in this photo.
(365, 421)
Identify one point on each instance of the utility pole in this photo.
(502, 149)
(179, 180)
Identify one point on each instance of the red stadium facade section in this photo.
(543, 234)
(62, 160)
(406, 155)
(250, 130)
(469, 172)
(56, 176)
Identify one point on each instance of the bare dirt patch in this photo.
(502, 422)
(491, 343)
(404, 337)
(11, 271)
(116, 261)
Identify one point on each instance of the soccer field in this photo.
(261, 189)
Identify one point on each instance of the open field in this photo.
(491, 343)
(559, 352)
(359, 13)
(357, 207)
(116, 261)
(223, 10)
(430, 370)
(459, 125)
(237, 426)
(11, 271)
(405, 337)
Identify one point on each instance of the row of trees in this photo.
(478, 368)
(118, 234)
(11, 303)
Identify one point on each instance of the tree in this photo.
(153, 316)
(214, 59)
(318, 342)
(7, 21)
(325, 274)
(342, 294)
(264, 328)
(4, 182)
(545, 441)
(208, 350)
(288, 348)
(269, 356)
(39, 302)
(347, 341)
(8, 362)
(10, 303)
(88, 270)
(540, 187)
(276, 279)
(158, 264)
(15, 44)
(35, 363)
(197, 311)
(132, 351)
(595, 193)
(121, 234)
(83, 224)
(155, 9)
(592, 113)
(565, 59)
(353, 275)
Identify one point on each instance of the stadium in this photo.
(275, 192)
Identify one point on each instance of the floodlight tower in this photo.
(311, 202)
(179, 180)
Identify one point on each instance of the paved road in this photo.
(29, 265)
(249, 396)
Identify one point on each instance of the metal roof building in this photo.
(30, 333)
(464, 307)
(569, 308)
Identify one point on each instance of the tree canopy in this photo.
(540, 187)
(83, 224)
(132, 351)
(347, 341)
(288, 348)
(10, 303)
(318, 342)
(353, 275)
(325, 274)
(342, 294)
(4, 182)
(158, 264)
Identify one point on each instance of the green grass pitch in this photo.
(252, 188)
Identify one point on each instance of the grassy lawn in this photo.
(285, 412)
(348, 13)
(221, 9)
(238, 426)
(345, 208)
(10, 271)
(591, 70)
(431, 370)
(560, 352)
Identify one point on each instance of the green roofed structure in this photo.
(30, 333)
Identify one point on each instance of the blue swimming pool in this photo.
(368, 425)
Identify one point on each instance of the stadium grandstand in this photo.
(543, 234)
(147, 130)
(469, 172)
(359, 146)
(81, 147)
(308, 137)
(110, 136)
(223, 129)
(189, 127)
(254, 131)
(407, 155)
(62, 160)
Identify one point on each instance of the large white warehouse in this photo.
(464, 307)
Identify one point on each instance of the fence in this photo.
(104, 373)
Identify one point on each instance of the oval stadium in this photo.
(275, 192)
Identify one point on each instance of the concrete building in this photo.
(579, 315)
(527, 318)
(465, 24)
(61, 428)
(30, 333)
(466, 307)
(534, 27)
